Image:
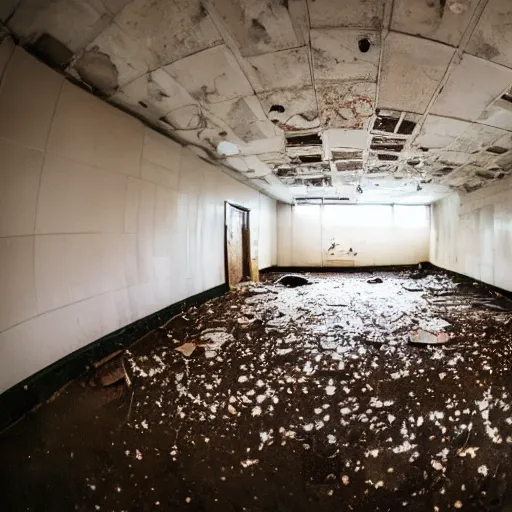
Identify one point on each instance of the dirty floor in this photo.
(289, 399)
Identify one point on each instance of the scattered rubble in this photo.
(292, 393)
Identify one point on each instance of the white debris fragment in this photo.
(249, 462)
(458, 504)
(242, 379)
(391, 418)
(419, 421)
(330, 390)
(483, 470)
(380, 483)
(373, 453)
(470, 450)
(231, 409)
(256, 411)
(404, 447)
(138, 455)
(345, 479)
(331, 439)
(437, 466)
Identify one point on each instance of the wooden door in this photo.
(237, 245)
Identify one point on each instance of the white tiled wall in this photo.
(472, 235)
(102, 220)
(379, 234)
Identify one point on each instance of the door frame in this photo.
(246, 241)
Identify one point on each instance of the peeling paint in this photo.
(97, 70)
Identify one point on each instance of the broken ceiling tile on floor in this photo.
(282, 70)
(472, 85)
(326, 13)
(492, 37)
(431, 20)
(172, 30)
(258, 27)
(439, 132)
(211, 76)
(345, 54)
(345, 104)
(412, 69)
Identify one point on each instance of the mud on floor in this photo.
(274, 398)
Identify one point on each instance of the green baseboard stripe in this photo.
(24, 396)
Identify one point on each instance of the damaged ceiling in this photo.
(379, 101)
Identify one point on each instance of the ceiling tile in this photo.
(130, 58)
(499, 114)
(412, 69)
(475, 138)
(171, 29)
(245, 117)
(345, 104)
(471, 87)
(492, 37)
(326, 13)
(258, 26)
(291, 109)
(439, 132)
(211, 76)
(337, 54)
(428, 19)
(281, 70)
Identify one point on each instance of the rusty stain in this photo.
(348, 111)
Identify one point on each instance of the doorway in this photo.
(238, 256)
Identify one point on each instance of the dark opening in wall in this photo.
(312, 139)
(445, 170)
(497, 150)
(142, 104)
(364, 45)
(387, 157)
(223, 133)
(507, 97)
(406, 127)
(310, 159)
(277, 108)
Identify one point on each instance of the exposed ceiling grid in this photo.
(378, 101)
